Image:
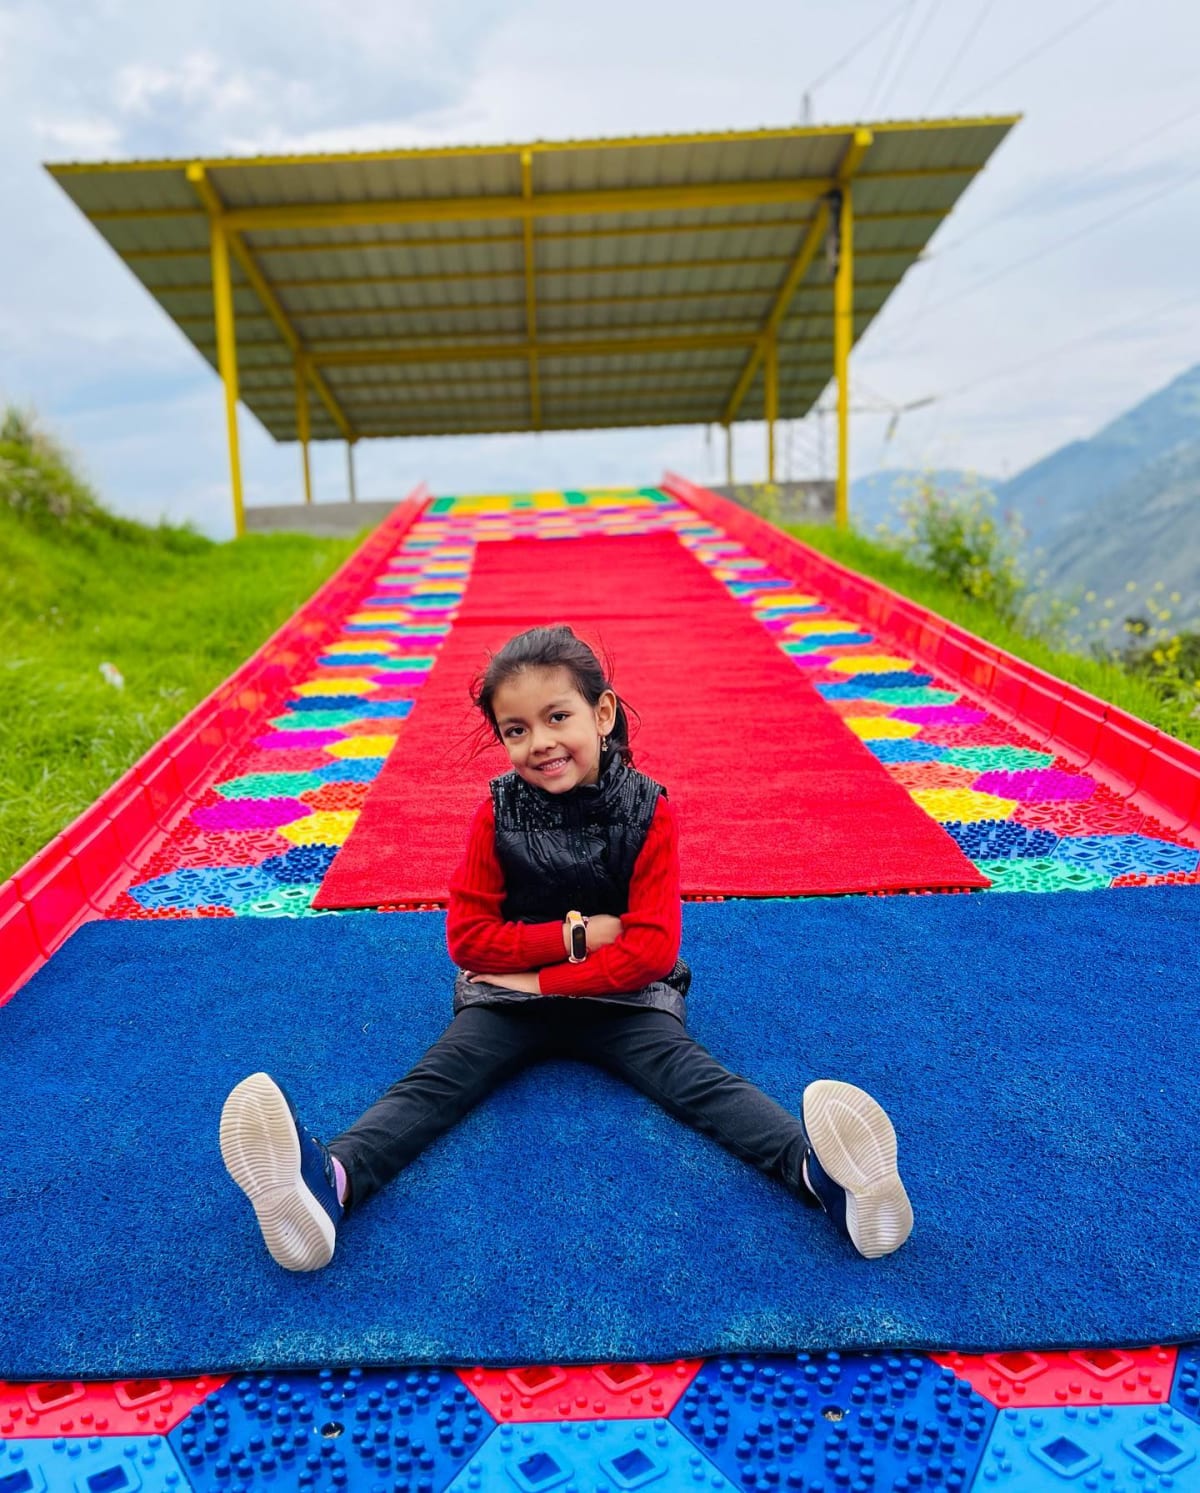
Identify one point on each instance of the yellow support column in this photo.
(302, 426)
(771, 391)
(350, 471)
(535, 391)
(843, 335)
(227, 361)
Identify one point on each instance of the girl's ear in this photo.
(606, 711)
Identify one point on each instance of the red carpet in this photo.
(775, 796)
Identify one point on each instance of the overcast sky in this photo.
(1061, 290)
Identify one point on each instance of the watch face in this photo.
(578, 940)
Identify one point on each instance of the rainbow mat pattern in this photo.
(258, 842)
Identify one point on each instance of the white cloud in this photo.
(93, 139)
(1110, 116)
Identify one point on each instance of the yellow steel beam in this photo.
(843, 336)
(302, 427)
(771, 396)
(858, 147)
(514, 402)
(560, 303)
(843, 319)
(514, 240)
(689, 326)
(695, 198)
(227, 362)
(519, 351)
(460, 350)
(816, 354)
(421, 396)
(457, 277)
(552, 422)
(544, 147)
(799, 267)
(215, 209)
(280, 319)
(257, 383)
(535, 401)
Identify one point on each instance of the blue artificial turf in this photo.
(1037, 1053)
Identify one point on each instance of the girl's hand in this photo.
(601, 930)
(525, 980)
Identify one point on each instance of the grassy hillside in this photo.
(1138, 695)
(173, 612)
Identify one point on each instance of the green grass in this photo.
(174, 612)
(1109, 681)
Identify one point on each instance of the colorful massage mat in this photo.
(259, 843)
(568, 1217)
(774, 795)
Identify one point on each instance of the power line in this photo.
(1037, 51)
(1065, 347)
(877, 28)
(1081, 175)
(918, 37)
(887, 57)
(961, 53)
(1099, 223)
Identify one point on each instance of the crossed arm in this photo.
(624, 953)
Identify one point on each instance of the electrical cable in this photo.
(1081, 175)
(877, 29)
(888, 57)
(1062, 243)
(961, 53)
(918, 37)
(1016, 368)
(1037, 52)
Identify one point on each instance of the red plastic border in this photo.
(1155, 772)
(71, 879)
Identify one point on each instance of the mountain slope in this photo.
(1146, 530)
(1054, 494)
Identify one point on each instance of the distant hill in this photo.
(1055, 493)
(1122, 506)
(1146, 530)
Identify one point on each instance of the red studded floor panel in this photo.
(776, 796)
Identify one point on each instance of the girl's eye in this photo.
(563, 713)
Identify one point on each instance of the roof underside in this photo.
(552, 287)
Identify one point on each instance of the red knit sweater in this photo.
(481, 941)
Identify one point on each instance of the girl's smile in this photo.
(550, 732)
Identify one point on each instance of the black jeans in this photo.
(485, 1045)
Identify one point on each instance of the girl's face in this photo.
(550, 732)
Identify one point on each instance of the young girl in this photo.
(565, 920)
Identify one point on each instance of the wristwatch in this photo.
(577, 934)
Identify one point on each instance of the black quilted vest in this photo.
(570, 850)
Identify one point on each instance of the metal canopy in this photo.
(645, 281)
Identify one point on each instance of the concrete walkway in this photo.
(320, 519)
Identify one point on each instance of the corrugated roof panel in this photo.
(613, 290)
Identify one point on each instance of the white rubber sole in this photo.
(856, 1145)
(261, 1152)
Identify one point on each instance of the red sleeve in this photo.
(477, 936)
(652, 928)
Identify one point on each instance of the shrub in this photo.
(960, 539)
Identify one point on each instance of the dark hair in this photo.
(554, 647)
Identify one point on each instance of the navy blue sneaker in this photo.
(285, 1172)
(851, 1166)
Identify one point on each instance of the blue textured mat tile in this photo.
(1038, 1055)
